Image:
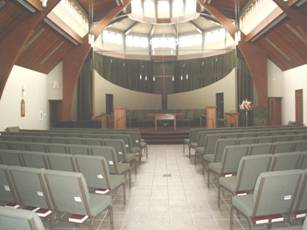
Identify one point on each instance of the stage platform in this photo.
(165, 135)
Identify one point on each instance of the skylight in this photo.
(72, 14)
(190, 40)
(112, 37)
(137, 41)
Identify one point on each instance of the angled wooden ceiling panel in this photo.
(44, 50)
(10, 16)
(285, 45)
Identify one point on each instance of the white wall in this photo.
(122, 97)
(196, 99)
(55, 83)
(283, 84)
(35, 96)
(200, 98)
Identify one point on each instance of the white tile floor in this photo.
(168, 193)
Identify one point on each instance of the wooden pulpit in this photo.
(232, 119)
(120, 118)
(211, 116)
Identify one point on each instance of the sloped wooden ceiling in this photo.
(285, 45)
(44, 49)
(11, 14)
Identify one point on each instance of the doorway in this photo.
(54, 113)
(299, 107)
(109, 104)
(220, 109)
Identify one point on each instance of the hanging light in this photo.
(187, 77)
(146, 78)
(141, 77)
(181, 78)
(173, 78)
(44, 3)
(91, 39)
(153, 78)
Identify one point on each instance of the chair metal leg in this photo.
(219, 196)
(208, 179)
(231, 218)
(111, 217)
(129, 178)
(189, 152)
(146, 152)
(124, 193)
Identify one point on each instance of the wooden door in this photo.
(299, 106)
(54, 113)
(274, 110)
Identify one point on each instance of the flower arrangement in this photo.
(246, 105)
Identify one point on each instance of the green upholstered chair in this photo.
(76, 200)
(274, 197)
(115, 167)
(97, 175)
(244, 181)
(286, 161)
(30, 188)
(12, 219)
(7, 192)
(230, 162)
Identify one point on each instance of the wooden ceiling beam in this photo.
(102, 23)
(11, 45)
(255, 57)
(74, 61)
(37, 4)
(222, 19)
(294, 15)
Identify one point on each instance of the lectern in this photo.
(232, 119)
(120, 118)
(211, 116)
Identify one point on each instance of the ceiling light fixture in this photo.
(44, 3)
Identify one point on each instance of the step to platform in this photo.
(164, 135)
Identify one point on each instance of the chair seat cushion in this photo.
(121, 167)
(98, 203)
(116, 181)
(135, 149)
(193, 145)
(244, 204)
(208, 157)
(200, 150)
(297, 227)
(216, 167)
(143, 144)
(229, 183)
(130, 157)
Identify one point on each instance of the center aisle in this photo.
(170, 194)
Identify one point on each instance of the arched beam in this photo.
(255, 57)
(74, 61)
(11, 45)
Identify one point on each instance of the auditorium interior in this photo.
(153, 114)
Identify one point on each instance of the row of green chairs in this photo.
(118, 144)
(211, 139)
(238, 172)
(26, 158)
(137, 143)
(67, 148)
(12, 219)
(222, 143)
(94, 168)
(51, 193)
(279, 196)
(196, 139)
(132, 139)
